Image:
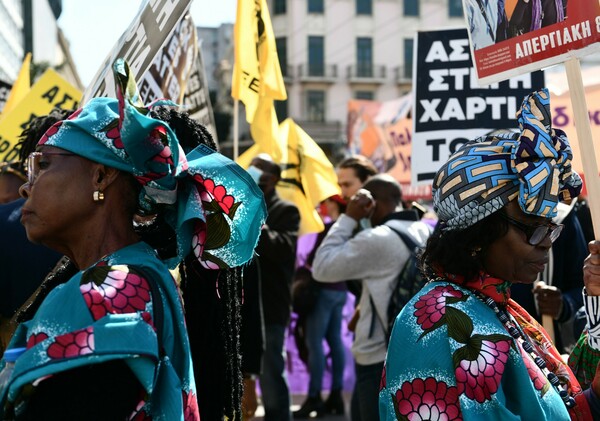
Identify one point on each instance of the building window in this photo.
(281, 45)
(315, 6)
(315, 101)
(368, 95)
(455, 9)
(411, 7)
(281, 108)
(408, 58)
(364, 7)
(279, 7)
(364, 57)
(316, 56)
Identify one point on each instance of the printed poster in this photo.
(50, 91)
(513, 37)
(382, 131)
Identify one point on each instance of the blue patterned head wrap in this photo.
(212, 203)
(487, 173)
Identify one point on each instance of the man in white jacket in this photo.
(375, 256)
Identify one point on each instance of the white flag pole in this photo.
(236, 129)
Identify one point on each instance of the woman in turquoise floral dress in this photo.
(111, 343)
(461, 348)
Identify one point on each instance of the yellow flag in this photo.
(256, 70)
(307, 176)
(265, 130)
(20, 88)
(319, 180)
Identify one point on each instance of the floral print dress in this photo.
(450, 358)
(108, 312)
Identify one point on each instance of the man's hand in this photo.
(361, 205)
(591, 269)
(549, 299)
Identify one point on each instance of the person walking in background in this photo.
(462, 339)
(324, 321)
(272, 270)
(375, 257)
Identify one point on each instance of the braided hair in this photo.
(209, 295)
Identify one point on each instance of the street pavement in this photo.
(297, 401)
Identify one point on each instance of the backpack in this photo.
(408, 282)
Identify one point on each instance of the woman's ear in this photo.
(104, 176)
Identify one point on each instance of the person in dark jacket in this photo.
(274, 268)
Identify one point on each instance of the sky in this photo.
(93, 27)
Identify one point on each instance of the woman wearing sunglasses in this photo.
(111, 343)
(461, 348)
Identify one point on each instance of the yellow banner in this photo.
(20, 87)
(50, 91)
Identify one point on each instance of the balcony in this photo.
(367, 73)
(288, 73)
(403, 75)
(322, 132)
(325, 73)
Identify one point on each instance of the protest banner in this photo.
(139, 44)
(449, 107)
(563, 118)
(507, 40)
(382, 131)
(168, 74)
(5, 88)
(197, 98)
(50, 91)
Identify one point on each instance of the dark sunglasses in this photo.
(33, 163)
(536, 233)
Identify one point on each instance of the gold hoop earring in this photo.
(475, 251)
(98, 196)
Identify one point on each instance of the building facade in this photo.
(332, 51)
(31, 26)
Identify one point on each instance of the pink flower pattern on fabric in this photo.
(539, 379)
(427, 399)
(191, 412)
(431, 307)
(50, 132)
(73, 344)
(479, 379)
(215, 192)
(36, 339)
(120, 292)
(113, 132)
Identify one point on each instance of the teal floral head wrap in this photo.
(485, 174)
(213, 205)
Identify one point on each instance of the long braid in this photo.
(232, 293)
(190, 134)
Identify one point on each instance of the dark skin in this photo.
(59, 207)
(371, 202)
